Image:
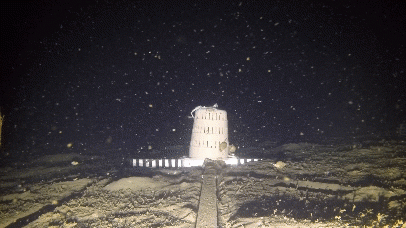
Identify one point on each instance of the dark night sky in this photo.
(124, 75)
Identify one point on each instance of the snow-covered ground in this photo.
(306, 185)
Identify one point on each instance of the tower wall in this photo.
(209, 134)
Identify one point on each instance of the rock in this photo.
(280, 165)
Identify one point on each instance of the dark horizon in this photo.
(125, 75)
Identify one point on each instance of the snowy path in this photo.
(207, 213)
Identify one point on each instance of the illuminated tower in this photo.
(209, 134)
